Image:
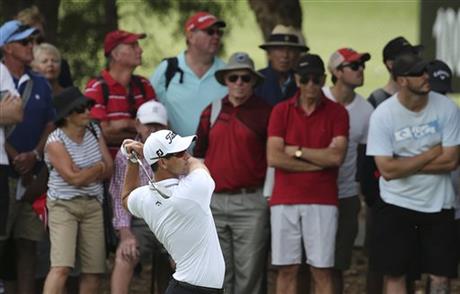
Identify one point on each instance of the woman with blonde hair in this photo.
(47, 61)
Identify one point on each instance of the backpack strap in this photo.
(216, 107)
(171, 70)
(104, 88)
(139, 84)
(25, 98)
(91, 128)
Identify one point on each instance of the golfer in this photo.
(176, 209)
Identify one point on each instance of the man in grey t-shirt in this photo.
(414, 137)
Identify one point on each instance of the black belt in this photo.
(238, 191)
(197, 289)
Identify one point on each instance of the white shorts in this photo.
(315, 224)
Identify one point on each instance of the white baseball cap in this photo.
(152, 112)
(164, 142)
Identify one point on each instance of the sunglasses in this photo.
(416, 74)
(180, 154)
(214, 31)
(354, 66)
(244, 78)
(81, 109)
(316, 79)
(25, 42)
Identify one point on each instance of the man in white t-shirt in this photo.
(347, 70)
(10, 113)
(414, 137)
(179, 215)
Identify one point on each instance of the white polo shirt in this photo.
(184, 225)
(359, 112)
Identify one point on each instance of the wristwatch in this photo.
(37, 155)
(298, 153)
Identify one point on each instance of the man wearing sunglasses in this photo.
(238, 134)
(414, 137)
(347, 69)
(118, 92)
(307, 142)
(179, 216)
(185, 84)
(24, 144)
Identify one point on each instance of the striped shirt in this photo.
(83, 155)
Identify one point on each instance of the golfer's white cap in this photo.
(152, 112)
(164, 142)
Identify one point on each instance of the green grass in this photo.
(365, 26)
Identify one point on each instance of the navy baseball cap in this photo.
(14, 30)
(440, 76)
(310, 64)
(399, 46)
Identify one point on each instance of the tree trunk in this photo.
(111, 15)
(270, 13)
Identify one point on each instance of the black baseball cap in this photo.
(407, 65)
(310, 64)
(398, 46)
(440, 76)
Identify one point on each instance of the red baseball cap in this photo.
(202, 20)
(117, 37)
(346, 55)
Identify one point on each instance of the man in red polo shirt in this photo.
(233, 148)
(307, 141)
(117, 91)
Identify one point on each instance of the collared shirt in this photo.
(316, 130)
(271, 90)
(118, 106)
(186, 101)
(234, 149)
(184, 225)
(38, 112)
(121, 217)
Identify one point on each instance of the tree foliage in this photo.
(78, 27)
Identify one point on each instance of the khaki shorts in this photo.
(77, 221)
(313, 224)
(23, 222)
(146, 240)
(347, 231)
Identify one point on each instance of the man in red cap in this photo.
(117, 116)
(185, 84)
(347, 69)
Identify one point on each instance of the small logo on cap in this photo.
(170, 136)
(160, 153)
(441, 74)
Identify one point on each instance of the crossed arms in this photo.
(281, 156)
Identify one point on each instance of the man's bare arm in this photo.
(332, 156)
(115, 131)
(277, 157)
(400, 167)
(10, 110)
(446, 162)
(132, 171)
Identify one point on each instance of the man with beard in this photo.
(414, 137)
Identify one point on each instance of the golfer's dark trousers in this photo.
(176, 287)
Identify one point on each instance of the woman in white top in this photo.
(78, 161)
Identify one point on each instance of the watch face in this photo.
(298, 154)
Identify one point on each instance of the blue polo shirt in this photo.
(271, 91)
(38, 112)
(185, 101)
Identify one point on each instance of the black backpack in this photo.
(171, 70)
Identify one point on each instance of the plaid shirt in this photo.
(121, 217)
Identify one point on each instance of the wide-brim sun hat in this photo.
(239, 61)
(69, 99)
(285, 36)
